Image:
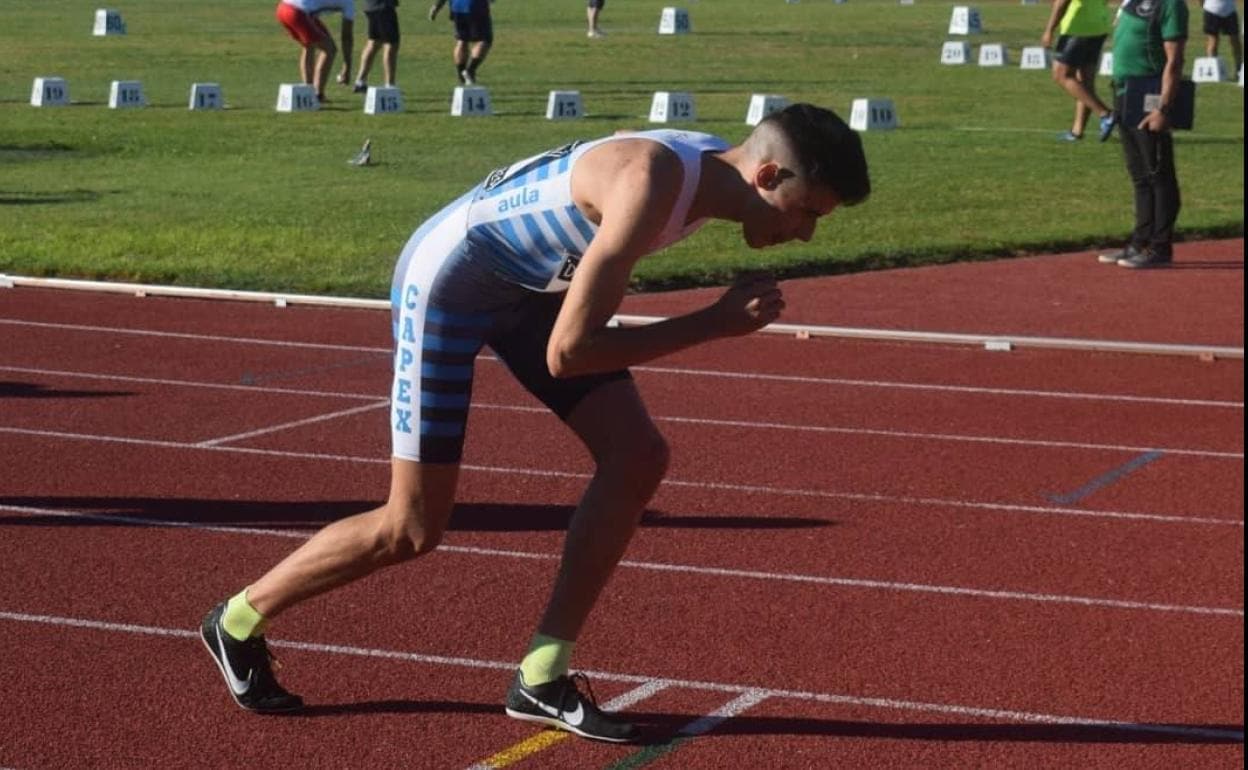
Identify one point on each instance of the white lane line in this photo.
(732, 708)
(870, 497)
(758, 376)
(820, 697)
(189, 336)
(688, 569)
(945, 388)
(677, 419)
(287, 425)
(831, 429)
(949, 437)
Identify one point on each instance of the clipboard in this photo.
(1143, 95)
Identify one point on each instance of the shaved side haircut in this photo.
(825, 149)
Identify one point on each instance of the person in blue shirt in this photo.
(474, 35)
(534, 261)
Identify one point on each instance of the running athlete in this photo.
(534, 261)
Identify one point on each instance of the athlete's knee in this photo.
(644, 456)
(406, 532)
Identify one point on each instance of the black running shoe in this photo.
(246, 666)
(561, 704)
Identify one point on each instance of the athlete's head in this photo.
(804, 161)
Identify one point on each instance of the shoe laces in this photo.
(262, 660)
(580, 685)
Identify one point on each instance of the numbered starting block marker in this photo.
(674, 21)
(49, 92)
(564, 105)
(205, 96)
(1034, 57)
(1208, 69)
(965, 21)
(672, 107)
(108, 22)
(993, 55)
(123, 94)
(762, 105)
(470, 101)
(872, 115)
(1107, 64)
(383, 100)
(955, 52)
(296, 97)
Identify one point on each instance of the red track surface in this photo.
(865, 555)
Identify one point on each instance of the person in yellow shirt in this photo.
(1081, 27)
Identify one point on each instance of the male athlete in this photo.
(534, 261)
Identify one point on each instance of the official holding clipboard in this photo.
(1149, 41)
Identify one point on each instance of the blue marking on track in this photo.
(1107, 479)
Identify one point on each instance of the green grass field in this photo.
(249, 198)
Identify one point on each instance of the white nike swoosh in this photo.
(573, 718)
(238, 686)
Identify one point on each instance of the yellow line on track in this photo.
(523, 749)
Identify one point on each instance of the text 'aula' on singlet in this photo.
(523, 221)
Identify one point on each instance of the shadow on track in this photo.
(662, 729)
(310, 516)
(34, 390)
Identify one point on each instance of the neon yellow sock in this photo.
(240, 619)
(546, 661)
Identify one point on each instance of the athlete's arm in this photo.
(633, 187)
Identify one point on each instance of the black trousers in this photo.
(1150, 163)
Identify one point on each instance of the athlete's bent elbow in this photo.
(558, 365)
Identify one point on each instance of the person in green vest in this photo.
(1149, 43)
(1081, 27)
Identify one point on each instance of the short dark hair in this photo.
(829, 151)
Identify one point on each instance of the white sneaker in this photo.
(595, 33)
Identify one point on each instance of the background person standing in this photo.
(302, 22)
(474, 34)
(1148, 46)
(592, 10)
(383, 32)
(1220, 18)
(1082, 26)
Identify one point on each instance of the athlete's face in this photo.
(786, 207)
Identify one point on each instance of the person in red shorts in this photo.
(301, 20)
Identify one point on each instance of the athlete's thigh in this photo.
(443, 307)
(612, 419)
(521, 343)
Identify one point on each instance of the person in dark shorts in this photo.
(383, 32)
(592, 10)
(1081, 26)
(534, 261)
(1220, 18)
(474, 34)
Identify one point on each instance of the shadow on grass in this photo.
(310, 516)
(661, 730)
(28, 198)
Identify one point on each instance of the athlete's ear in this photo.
(769, 175)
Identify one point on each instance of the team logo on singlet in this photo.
(500, 175)
(568, 267)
